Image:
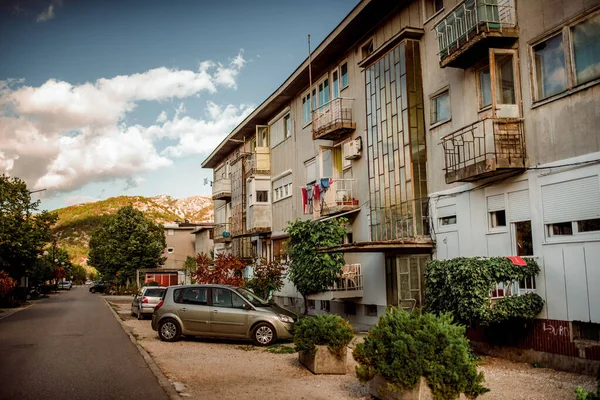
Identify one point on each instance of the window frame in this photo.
(443, 225)
(575, 233)
(566, 31)
(306, 100)
(279, 188)
(341, 75)
(267, 195)
(493, 217)
(427, 18)
(478, 72)
(432, 98)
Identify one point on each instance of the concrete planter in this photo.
(378, 388)
(324, 362)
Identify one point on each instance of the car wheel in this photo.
(139, 314)
(93, 290)
(169, 330)
(264, 334)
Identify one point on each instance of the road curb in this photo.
(163, 381)
(10, 312)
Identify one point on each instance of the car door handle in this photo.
(183, 309)
(216, 311)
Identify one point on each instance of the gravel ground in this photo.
(218, 369)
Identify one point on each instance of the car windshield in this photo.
(252, 298)
(154, 292)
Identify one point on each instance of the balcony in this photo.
(258, 219)
(333, 120)
(468, 31)
(483, 149)
(514, 288)
(259, 162)
(348, 286)
(222, 233)
(340, 196)
(221, 189)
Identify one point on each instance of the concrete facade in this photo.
(424, 189)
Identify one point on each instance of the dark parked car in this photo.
(220, 311)
(99, 287)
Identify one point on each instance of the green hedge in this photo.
(323, 330)
(462, 286)
(403, 347)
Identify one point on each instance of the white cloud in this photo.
(61, 136)
(73, 200)
(46, 15)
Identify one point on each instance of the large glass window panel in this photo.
(327, 161)
(505, 79)
(550, 71)
(344, 74)
(586, 49)
(335, 85)
(485, 87)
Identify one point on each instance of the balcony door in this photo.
(262, 147)
(331, 168)
(506, 89)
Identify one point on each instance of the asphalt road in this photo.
(71, 346)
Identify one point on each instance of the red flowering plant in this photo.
(224, 270)
(7, 283)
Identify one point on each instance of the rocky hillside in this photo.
(76, 223)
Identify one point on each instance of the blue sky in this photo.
(108, 98)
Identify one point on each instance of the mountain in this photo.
(76, 223)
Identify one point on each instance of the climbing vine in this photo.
(462, 286)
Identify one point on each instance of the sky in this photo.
(107, 98)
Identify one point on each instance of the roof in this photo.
(203, 227)
(353, 29)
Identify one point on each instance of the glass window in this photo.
(287, 126)
(497, 219)
(306, 108)
(327, 161)
(550, 72)
(449, 220)
(196, 295)
(440, 108)
(586, 49)
(170, 250)
(314, 100)
(336, 85)
(252, 298)
(485, 87)
(221, 297)
(236, 301)
(505, 79)
(262, 196)
(324, 92)
(344, 74)
(523, 238)
(560, 229)
(590, 225)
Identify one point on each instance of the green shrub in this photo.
(582, 394)
(323, 330)
(403, 347)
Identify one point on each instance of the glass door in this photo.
(506, 91)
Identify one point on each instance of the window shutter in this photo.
(495, 203)
(518, 204)
(446, 211)
(574, 200)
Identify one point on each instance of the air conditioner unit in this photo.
(353, 149)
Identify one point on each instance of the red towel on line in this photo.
(304, 199)
(317, 192)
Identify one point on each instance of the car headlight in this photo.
(285, 318)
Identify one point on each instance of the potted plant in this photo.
(418, 355)
(321, 342)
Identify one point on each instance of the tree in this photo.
(189, 267)
(124, 243)
(225, 270)
(23, 231)
(7, 284)
(268, 277)
(78, 273)
(310, 271)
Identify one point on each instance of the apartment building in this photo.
(440, 129)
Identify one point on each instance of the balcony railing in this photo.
(349, 285)
(221, 189)
(469, 23)
(259, 162)
(333, 120)
(222, 233)
(485, 148)
(514, 288)
(258, 218)
(336, 195)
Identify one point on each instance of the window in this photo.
(497, 219)
(440, 107)
(590, 225)
(579, 43)
(505, 79)
(367, 49)
(314, 100)
(344, 74)
(432, 7)
(190, 296)
(574, 228)
(311, 304)
(170, 232)
(349, 308)
(336, 85)
(262, 196)
(449, 220)
(371, 310)
(287, 126)
(170, 250)
(323, 92)
(524, 241)
(327, 163)
(306, 111)
(282, 187)
(325, 305)
(222, 298)
(484, 84)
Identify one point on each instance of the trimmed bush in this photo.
(323, 330)
(403, 347)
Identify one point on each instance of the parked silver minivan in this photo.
(220, 311)
(145, 300)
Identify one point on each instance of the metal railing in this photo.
(514, 288)
(490, 138)
(469, 18)
(350, 279)
(336, 195)
(331, 116)
(222, 232)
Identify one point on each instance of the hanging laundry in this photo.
(325, 184)
(304, 200)
(317, 192)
